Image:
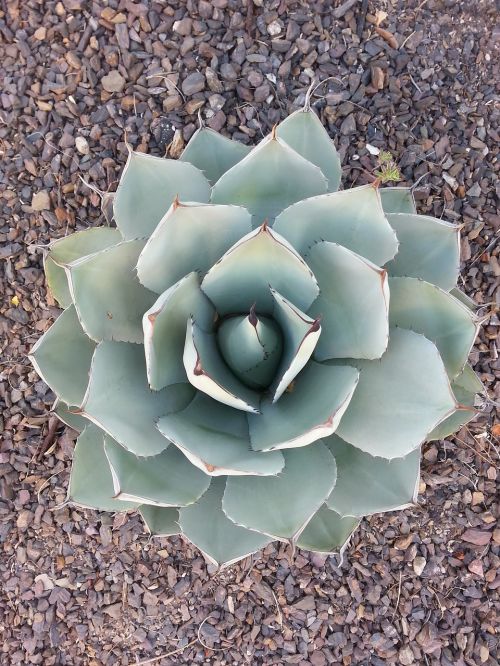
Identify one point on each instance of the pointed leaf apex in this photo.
(176, 202)
(376, 183)
(152, 317)
(265, 225)
(273, 132)
(316, 325)
(252, 317)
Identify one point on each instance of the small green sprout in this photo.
(389, 171)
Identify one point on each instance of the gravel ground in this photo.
(78, 587)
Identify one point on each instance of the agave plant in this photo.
(251, 354)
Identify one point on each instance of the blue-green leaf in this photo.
(119, 400)
(62, 357)
(269, 179)
(282, 505)
(148, 186)
(399, 398)
(213, 153)
(208, 528)
(428, 249)
(261, 259)
(191, 237)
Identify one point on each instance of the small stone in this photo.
(318, 658)
(474, 191)
(477, 144)
(46, 582)
(216, 102)
(24, 518)
(274, 28)
(476, 537)
(213, 81)
(403, 542)
(484, 654)
(193, 105)
(406, 656)
(348, 125)
(228, 72)
(40, 33)
(114, 610)
(183, 27)
(377, 77)
(477, 498)
(476, 567)
(113, 82)
(193, 83)
(261, 93)
(82, 145)
(419, 565)
(176, 145)
(172, 102)
(41, 200)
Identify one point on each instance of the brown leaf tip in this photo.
(252, 317)
(316, 325)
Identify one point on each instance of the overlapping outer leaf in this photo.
(269, 179)
(308, 280)
(65, 250)
(399, 398)
(147, 188)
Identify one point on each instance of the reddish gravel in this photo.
(83, 588)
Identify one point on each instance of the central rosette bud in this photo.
(252, 347)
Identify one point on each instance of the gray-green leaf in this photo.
(465, 387)
(119, 400)
(70, 248)
(108, 297)
(62, 357)
(327, 532)
(148, 186)
(242, 277)
(397, 200)
(215, 438)
(428, 249)
(367, 484)
(399, 398)
(312, 408)
(304, 132)
(190, 237)
(353, 303)
(164, 326)
(209, 529)
(282, 505)
(167, 479)
(433, 312)
(353, 218)
(91, 483)
(213, 153)
(269, 179)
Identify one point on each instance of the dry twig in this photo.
(49, 438)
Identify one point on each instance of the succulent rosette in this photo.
(251, 354)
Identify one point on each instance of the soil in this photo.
(83, 588)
